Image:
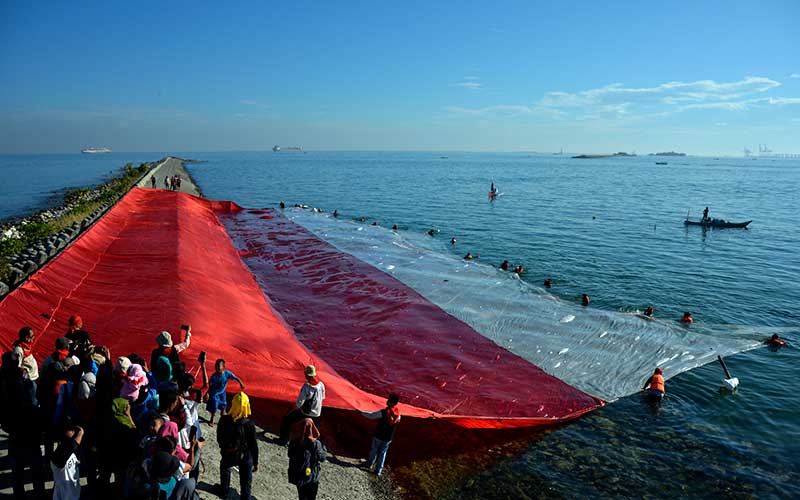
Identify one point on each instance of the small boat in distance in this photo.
(661, 163)
(717, 223)
(287, 149)
(94, 151)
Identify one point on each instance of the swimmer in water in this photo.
(585, 300)
(282, 205)
(649, 311)
(375, 223)
(655, 385)
(335, 214)
(519, 269)
(687, 318)
(431, 232)
(453, 241)
(394, 228)
(505, 265)
(468, 256)
(362, 219)
(548, 283)
(775, 341)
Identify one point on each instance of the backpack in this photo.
(301, 464)
(231, 438)
(309, 403)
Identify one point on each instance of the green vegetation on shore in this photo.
(78, 203)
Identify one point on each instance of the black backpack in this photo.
(231, 438)
(301, 464)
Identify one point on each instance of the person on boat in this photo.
(585, 301)
(687, 318)
(453, 241)
(705, 214)
(519, 269)
(655, 385)
(335, 213)
(548, 283)
(505, 265)
(775, 341)
(468, 256)
(649, 311)
(282, 205)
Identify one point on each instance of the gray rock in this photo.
(42, 257)
(3, 289)
(29, 266)
(15, 275)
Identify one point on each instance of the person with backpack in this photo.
(236, 436)
(309, 404)
(388, 418)
(306, 453)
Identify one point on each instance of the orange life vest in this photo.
(657, 383)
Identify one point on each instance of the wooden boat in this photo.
(717, 223)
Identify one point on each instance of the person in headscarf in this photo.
(136, 379)
(236, 436)
(162, 369)
(306, 453)
(123, 437)
(170, 429)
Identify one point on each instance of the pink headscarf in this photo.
(171, 429)
(136, 379)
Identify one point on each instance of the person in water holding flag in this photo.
(655, 385)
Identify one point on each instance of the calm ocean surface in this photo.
(609, 227)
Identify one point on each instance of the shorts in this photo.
(216, 402)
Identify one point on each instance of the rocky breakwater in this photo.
(29, 243)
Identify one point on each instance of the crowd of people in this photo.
(132, 429)
(172, 183)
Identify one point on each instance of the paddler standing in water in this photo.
(705, 214)
(655, 385)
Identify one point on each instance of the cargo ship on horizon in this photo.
(94, 151)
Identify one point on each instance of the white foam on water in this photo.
(610, 353)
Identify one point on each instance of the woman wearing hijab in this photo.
(306, 452)
(236, 436)
(122, 430)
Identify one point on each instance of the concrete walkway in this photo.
(167, 168)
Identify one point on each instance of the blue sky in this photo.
(701, 77)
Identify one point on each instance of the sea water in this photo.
(611, 228)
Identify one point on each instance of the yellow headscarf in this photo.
(240, 407)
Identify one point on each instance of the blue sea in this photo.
(611, 228)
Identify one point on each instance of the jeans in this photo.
(245, 473)
(307, 491)
(22, 457)
(378, 454)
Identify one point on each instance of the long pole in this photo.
(724, 368)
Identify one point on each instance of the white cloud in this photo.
(721, 124)
(500, 110)
(469, 85)
(794, 75)
(470, 78)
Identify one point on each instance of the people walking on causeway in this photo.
(153, 181)
(166, 182)
(216, 399)
(655, 385)
(388, 418)
(306, 453)
(687, 318)
(238, 446)
(308, 405)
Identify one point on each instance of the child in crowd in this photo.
(217, 385)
